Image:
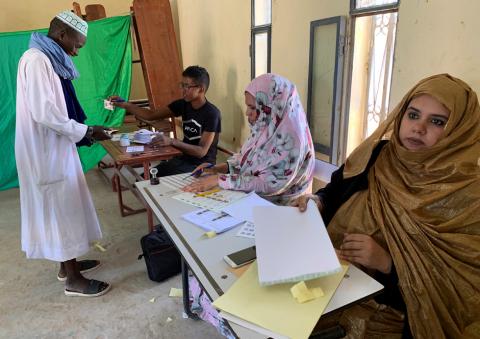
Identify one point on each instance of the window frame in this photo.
(256, 30)
(333, 150)
(380, 9)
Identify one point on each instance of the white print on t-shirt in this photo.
(192, 130)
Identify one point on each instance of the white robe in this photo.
(57, 213)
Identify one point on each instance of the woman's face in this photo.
(423, 123)
(251, 113)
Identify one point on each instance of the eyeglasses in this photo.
(183, 85)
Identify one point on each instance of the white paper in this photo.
(243, 209)
(107, 104)
(247, 230)
(291, 245)
(133, 149)
(211, 221)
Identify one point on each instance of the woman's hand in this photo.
(364, 250)
(203, 184)
(302, 201)
(205, 168)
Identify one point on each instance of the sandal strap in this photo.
(95, 286)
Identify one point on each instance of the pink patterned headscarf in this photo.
(277, 159)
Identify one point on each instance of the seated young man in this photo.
(200, 119)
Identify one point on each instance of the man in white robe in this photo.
(58, 217)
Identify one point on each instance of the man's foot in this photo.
(84, 267)
(92, 288)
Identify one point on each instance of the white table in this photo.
(204, 256)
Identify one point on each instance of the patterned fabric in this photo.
(61, 62)
(277, 160)
(202, 306)
(74, 21)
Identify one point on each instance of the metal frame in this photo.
(354, 11)
(258, 30)
(340, 21)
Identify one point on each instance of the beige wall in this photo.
(215, 34)
(291, 36)
(438, 36)
(20, 15)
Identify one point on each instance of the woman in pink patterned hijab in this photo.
(277, 159)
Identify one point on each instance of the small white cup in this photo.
(124, 140)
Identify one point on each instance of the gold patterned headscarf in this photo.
(424, 207)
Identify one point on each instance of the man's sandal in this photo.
(85, 266)
(95, 288)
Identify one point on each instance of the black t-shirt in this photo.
(195, 122)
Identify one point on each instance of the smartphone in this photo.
(241, 257)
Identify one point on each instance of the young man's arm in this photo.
(198, 151)
(145, 113)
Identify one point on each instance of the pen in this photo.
(199, 171)
(118, 100)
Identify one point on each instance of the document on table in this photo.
(215, 201)
(133, 149)
(243, 208)
(211, 221)
(293, 245)
(265, 305)
(247, 230)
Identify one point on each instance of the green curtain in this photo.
(105, 68)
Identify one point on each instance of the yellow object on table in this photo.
(302, 293)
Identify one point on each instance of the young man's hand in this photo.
(364, 250)
(118, 101)
(161, 140)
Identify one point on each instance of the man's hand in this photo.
(203, 184)
(364, 250)
(302, 201)
(99, 133)
(161, 140)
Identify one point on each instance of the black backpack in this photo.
(161, 256)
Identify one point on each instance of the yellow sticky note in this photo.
(204, 194)
(100, 247)
(210, 234)
(176, 292)
(302, 293)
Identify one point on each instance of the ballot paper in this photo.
(211, 221)
(291, 245)
(107, 104)
(243, 208)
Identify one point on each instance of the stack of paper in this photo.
(293, 246)
(273, 307)
(143, 136)
(211, 221)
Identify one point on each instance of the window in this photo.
(325, 76)
(374, 25)
(260, 48)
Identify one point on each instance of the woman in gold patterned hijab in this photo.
(406, 207)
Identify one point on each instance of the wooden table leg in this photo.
(146, 175)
